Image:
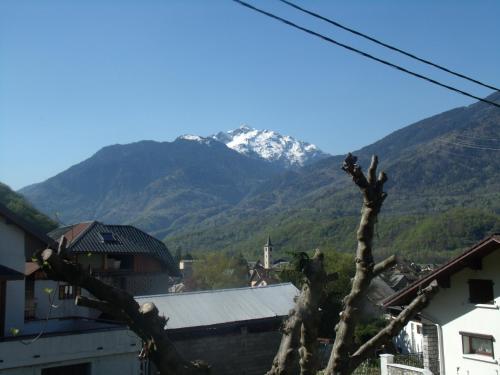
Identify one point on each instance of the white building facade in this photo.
(461, 325)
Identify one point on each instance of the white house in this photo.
(461, 326)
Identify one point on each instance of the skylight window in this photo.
(107, 237)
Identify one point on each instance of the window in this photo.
(69, 291)
(481, 291)
(107, 237)
(473, 343)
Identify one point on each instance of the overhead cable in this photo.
(379, 42)
(367, 55)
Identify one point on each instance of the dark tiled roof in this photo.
(467, 259)
(87, 237)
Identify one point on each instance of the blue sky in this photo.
(77, 76)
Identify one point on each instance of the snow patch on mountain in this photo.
(197, 138)
(271, 146)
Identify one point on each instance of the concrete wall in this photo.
(236, 353)
(452, 310)
(108, 352)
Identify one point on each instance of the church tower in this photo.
(268, 254)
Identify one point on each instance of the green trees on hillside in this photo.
(19, 205)
(218, 271)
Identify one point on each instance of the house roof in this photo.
(7, 273)
(24, 225)
(88, 237)
(469, 258)
(212, 307)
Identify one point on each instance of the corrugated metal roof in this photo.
(199, 309)
(128, 240)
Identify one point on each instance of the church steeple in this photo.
(268, 254)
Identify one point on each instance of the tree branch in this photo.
(394, 326)
(384, 265)
(373, 197)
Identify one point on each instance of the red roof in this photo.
(75, 230)
(469, 258)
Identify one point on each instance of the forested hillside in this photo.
(444, 194)
(20, 206)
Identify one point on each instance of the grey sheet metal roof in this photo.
(198, 309)
(128, 240)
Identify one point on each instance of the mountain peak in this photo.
(270, 146)
(245, 127)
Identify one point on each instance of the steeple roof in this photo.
(268, 243)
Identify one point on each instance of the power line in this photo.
(330, 40)
(379, 42)
(468, 145)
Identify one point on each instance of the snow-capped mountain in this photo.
(270, 146)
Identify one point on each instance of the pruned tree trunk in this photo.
(345, 358)
(300, 331)
(144, 320)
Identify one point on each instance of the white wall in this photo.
(11, 246)
(14, 306)
(409, 340)
(65, 307)
(452, 310)
(117, 356)
(12, 256)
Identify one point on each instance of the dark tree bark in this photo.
(300, 331)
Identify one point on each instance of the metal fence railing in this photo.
(413, 359)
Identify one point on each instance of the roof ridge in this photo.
(432, 275)
(79, 236)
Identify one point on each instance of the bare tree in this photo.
(345, 358)
(303, 322)
(300, 330)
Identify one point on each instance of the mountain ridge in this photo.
(435, 166)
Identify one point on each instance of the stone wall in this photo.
(239, 353)
(399, 370)
(431, 347)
